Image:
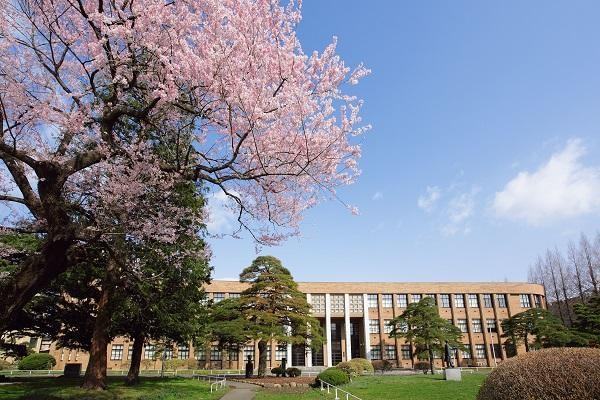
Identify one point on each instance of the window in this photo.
(487, 301)
(387, 328)
(168, 354)
(183, 352)
(373, 326)
(268, 353)
(480, 351)
(387, 301)
(501, 299)
(200, 354)
(462, 325)
(496, 350)
(390, 352)
(234, 295)
(466, 352)
(538, 300)
(318, 303)
(215, 353)
(403, 327)
(431, 296)
(337, 303)
(129, 352)
(524, 301)
(234, 354)
(372, 300)
(491, 325)
(45, 345)
(473, 301)
(445, 300)
(248, 352)
(149, 352)
(376, 352)
(459, 301)
(405, 352)
(281, 352)
(116, 352)
(415, 298)
(356, 303)
(217, 297)
(402, 300)
(476, 323)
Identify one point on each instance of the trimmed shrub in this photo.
(362, 365)
(351, 369)
(334, 376)
(422, 366)
(37, 361)
(382, 365)
(293, 372)
(547, 374)
(277, 371)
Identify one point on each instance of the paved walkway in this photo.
(240, 391)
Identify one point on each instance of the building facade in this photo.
(354, 318)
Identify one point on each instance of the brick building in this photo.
(354, 318)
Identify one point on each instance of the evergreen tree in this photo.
(275, 308)
(422, 325)
(588, 318)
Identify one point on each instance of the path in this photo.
(240, 391)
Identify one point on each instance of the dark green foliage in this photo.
(422, 325)
(334, 376)
(272, 308)
(293, 372)
(547, 374)
(539, 328)
(37, 361)
(423, 366)
(382, 365)
(14, 249)
(588, 318)
(277, 371)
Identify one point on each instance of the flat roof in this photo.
(395, 287)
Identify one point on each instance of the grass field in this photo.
(415, 387)
(149, 389)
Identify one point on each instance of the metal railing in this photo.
(216, 381)
(336, 390)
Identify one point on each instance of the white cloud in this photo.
(562, 187)
(222, 218)
(427, 201)
(377, 196)
(460, 210)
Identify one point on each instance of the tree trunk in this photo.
(526, 340)
(95, 373)
(133, 376)
(550, 264)
(35, 274)
(430, 352)
(262, 358)
(564, 288)
(585, 246)
(573, 257)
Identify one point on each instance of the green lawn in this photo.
(149, 389)
(415, 387)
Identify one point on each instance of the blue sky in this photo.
(485, 147)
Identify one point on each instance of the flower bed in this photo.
(274, 382)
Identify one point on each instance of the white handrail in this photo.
(219, 381)
(329, 386)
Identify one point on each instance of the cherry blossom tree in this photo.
(90, 89)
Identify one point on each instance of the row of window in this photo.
(387, 301)
(183, 353)
(389, 352)
(462, 324)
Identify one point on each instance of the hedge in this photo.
(334, 376)
(37, 361)
(547, 374)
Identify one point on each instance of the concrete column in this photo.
(347, 326)
(308, 351)
(329, 362)
(366, 327)
(289, 349)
